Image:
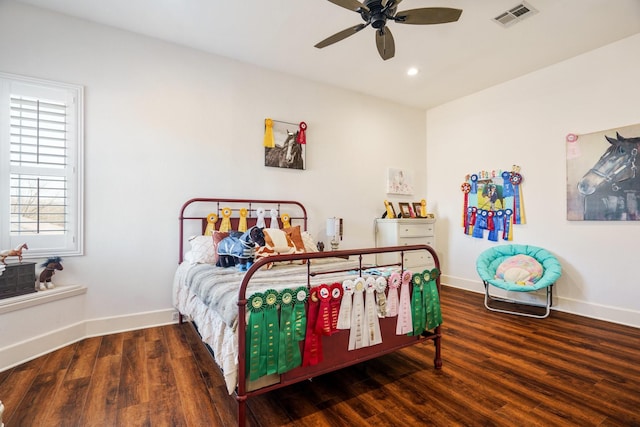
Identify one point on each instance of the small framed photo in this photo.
(417, 208)
(406, 210)
(390, 210)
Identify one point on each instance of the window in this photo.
(41, 148)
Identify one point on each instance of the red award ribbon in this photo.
(336, 299)
(313, 342)
(302, 134)
(323, 324)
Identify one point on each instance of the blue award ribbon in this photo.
(481, 224)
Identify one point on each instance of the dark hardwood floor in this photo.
(498, 370)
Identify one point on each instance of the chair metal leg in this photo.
(488, 299)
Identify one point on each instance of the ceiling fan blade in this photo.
(384, 42)
(353, 5)
(428, 15)
(340, 35)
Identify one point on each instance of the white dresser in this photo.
(404, 232)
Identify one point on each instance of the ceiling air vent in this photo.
(515, 14)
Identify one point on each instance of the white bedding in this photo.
(209, 295)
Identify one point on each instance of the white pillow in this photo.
(309, 243)
(202, 251)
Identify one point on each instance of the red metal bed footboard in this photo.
(335, 347)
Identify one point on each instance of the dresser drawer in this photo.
(426, 240)
(422, 259)
(415, 230)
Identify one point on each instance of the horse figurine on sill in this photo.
(13, 252)
(50, 267)
(239, 250)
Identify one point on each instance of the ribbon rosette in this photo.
(260, 221)
(323, 324)
(357, 339)
(288, 349)
(334, 304)
(257, 363)
(302, 133)
(312, 342)
(381, 299)
(242, 223)
(344, 316)
(392, 297)
(269, 140)
(225, 225)
(271, 299)
(432, 298)
(371, 321)
(404, 325)
(286, 220)
(418, 305)
(299, 313)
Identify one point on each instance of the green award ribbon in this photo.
(299, 313)
(418, 314)
(256, 358)
(289, 350)
(271, 299)
(432, 298)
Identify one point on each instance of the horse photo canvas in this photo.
(288, 152)
(603, 183)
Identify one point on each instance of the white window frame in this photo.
(70, 243)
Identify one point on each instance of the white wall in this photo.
(524, 122)
(166, 123)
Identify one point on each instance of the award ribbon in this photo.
(323, 324)
(381, 298)
(404, 325)
(507, 234)
(302, 133)
(356, 339)
(433, 312)
(344, 316)
(466, 188)
(334, 305)
(312, 342)
(269, 140)
(257, 359)
(225, 225)
(242, 223)
(371, 320)
(481, 224)
(271, 299)
(288, 349)
(260, 221)
(493, 229)
(418, 305)
(300, 313)
(392, 298)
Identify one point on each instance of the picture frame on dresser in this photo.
(405, 209)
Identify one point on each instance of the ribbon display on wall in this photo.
(493, 202)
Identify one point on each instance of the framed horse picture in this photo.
(603, 183)
(285, 147)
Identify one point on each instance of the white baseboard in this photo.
(32, 348)
(567, 305)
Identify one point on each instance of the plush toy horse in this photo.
(50, 267)
(234, 250)
(13, 252)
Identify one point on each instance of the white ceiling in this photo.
(454, 59)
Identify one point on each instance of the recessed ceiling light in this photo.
(412, 71)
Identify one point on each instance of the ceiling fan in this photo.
(378, 12)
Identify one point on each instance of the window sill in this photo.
(41, 297)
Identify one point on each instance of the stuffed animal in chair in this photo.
(240, 250)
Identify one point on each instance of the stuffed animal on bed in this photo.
(239, 249)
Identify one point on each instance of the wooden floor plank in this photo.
(499, 370)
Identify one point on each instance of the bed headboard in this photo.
(195, 211)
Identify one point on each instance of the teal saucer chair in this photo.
(490, 260)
